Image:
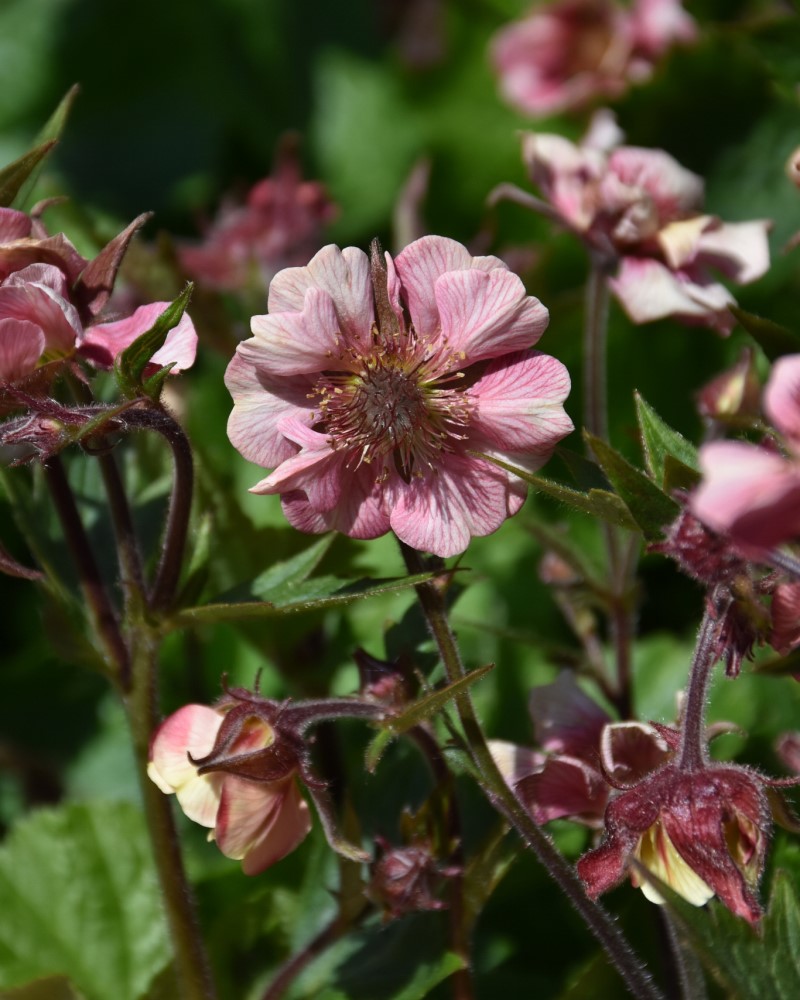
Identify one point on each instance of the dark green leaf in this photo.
(316, 594)
(650, 506)
(51, 132)
(774, 339)
(486, 869)
(15, 174)
(131, 363)
(599, 503)
(80, 899)
(659, 441)
(50, 988)
(678, 476)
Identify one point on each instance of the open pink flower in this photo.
(370, 389)
(257, 822)
(641, 211)
(751, 492)
(564, 55)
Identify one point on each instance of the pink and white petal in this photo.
(14, 225)
(679, 241)
(675, 190)
(648, 291)
(191, 730)
(344, 275)
(519, 402)
(316, 469)
(297, 343)
(485, 315)
(103, 342)
(39, 304)
(41, 274)
(21, 346)
(442, 511)
(246, 808)
(658, 24)
(261, 402)
(289, 826)
(782, 396)
(422, 263)
(360, 512)
(513, 761)
(740, 250)
(199, 797)
(749, 492)
(566, 174)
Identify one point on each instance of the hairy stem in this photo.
(694, 750)
(595, 335)
(600, 923)
(191, 961)
(169, 568)
(104, 617)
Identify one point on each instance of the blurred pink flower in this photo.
(751, 492)
(565, 54)
(638, 210)
(279, 225)
(257, 822)
(369, 389)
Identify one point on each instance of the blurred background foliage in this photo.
(182, 102)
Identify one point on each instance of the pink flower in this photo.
(564, 55)
(279, 225)
(102, 342)
(370, 389)
(748, 491)
(639, 209)
(257, 822)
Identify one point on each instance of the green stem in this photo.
(191, 961)
(600, 923)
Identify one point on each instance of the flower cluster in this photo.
(51, 298)
(372, 386)
(568, 53)
(640, 213)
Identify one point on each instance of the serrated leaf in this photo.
(13, 176)
(51, 132)
(650, 506)
(316, 594)
(131, 363)
(599, 503)
(422, 709)
(774, 339)
(659, 441)
(81, 900)
(748, 965)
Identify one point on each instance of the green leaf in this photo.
(747, 965)
(51, 988)
(80, 899)
(774, 339)
(486, 869)
(316, 594)
(649, 505)
(51, 132)
(15, 174)
(661, 441)
(131, 363)
(421, 710)
(599, 503)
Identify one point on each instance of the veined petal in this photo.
(675, 190)
(513, 761)
(565, 719)
(246, 808)
(658, 855)
(460, 499)
(422, 263)
(739, 249)
(360, 512)
(316, 468)
(104, 341)
(630, 750)
(565, 786)
(484, 315)
(648, 290)
(262, 401)
(344, 275)
(14, 225)
(519, 402)
(39, 304)
(287, 829)
(21, 346)
(296, 343)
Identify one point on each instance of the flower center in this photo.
(393, 405)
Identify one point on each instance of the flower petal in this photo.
(648, 290)
(296, 343)
(419, 267)
(565, 719)
(486, 314)
(103, 342)
(565, 786)
(14, 225)
(289, 827)
(39, 304)
(246, 809)
(21, 346)
(344, 275)
(782, 396)
(739, 249)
